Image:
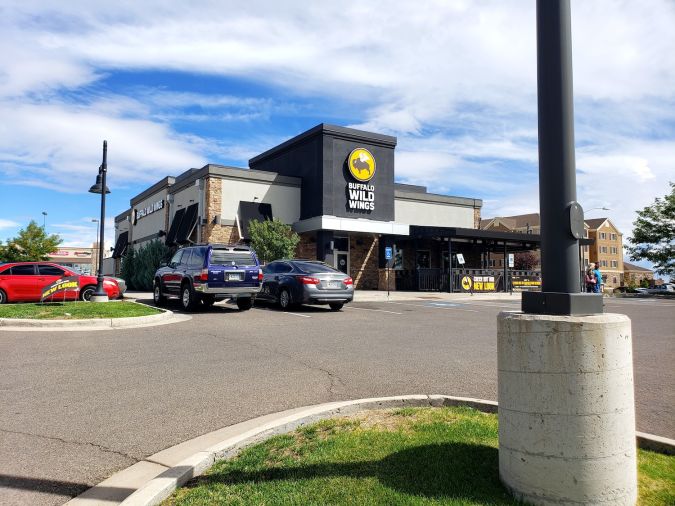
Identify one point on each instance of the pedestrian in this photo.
(589, 278)
(598, 279)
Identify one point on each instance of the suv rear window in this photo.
(232, 257)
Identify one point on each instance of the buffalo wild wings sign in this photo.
(61, 285)
(149, 209)
(362, 166)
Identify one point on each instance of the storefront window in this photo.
(423, 261)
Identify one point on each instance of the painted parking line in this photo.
(376, 310)
(428, 306)
(284, 312)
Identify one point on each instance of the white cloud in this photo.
(8, 224)
(455, 81)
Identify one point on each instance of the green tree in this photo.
(139, 265)
(31, 245)
(654, 234)
(272, 239)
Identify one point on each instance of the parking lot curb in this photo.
(166, 316)
(156, 477)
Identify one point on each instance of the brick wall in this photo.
(363, 259)
(306, 249)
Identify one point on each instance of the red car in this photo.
(24, 281)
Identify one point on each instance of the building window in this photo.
(603, 263)
(603, 235)
(615, 263)
(423, 261)
(614, 250)
(603, 249)
(613, 237)
(614, 280)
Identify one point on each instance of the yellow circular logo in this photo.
(466, 283)
(361, 164)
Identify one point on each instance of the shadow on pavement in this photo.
(62, 488)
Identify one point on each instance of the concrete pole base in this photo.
(567, 409)
(99, 298)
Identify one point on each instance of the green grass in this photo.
(75, 310)
(409, 456)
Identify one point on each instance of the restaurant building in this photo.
(335, 186)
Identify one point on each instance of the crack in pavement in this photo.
(66, 441)
(333, 378)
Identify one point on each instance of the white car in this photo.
(666, 288)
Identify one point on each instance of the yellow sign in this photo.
(361, 164)
(466, 283)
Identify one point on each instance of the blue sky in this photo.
(172, 86)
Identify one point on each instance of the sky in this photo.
(174, 85)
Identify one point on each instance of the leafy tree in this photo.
(31, 245)
(525, 261)
(272, 239)
(654, 234)
(644, 283)
(139, 265)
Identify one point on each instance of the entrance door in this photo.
(342, 261)
(342, 254)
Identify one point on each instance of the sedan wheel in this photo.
(3, 297)
(284, 299)
(86, 294)
(336, 306)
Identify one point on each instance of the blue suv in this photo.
(202, 274)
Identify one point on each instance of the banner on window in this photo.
(470, 283)
(526, 283)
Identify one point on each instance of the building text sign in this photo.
(362, 168)
(149, 209)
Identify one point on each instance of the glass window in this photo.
(23, 270)
(185, 259)
(197, 258)
(269, 269)
(314, 267)
(232, 257)
(613, 237)
(175, 259)
(50, 270)
(423, 261)
(603, 235)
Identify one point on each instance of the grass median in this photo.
(75, 310)
(411, 456)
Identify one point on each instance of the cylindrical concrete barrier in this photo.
(567, 409)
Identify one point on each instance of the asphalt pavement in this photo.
(78, 406)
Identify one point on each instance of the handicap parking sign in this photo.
(387, 253)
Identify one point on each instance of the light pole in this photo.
(100, 187)
(44, 220)
(94, 220)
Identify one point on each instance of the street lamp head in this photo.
(96, 188)
(44, 213)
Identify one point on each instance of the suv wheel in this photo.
(244, 303)
(336, 306)
(284, 299)
(188, 298)
(157, 296)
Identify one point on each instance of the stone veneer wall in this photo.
(225, 234)
(363, 259)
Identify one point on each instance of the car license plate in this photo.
(335, 284)
(235, 276)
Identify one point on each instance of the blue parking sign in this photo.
(388, 253)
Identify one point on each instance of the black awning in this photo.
(121, 245)
(249, 211)
(188, 224)
(173, 229)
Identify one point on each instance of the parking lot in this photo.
(78, 406)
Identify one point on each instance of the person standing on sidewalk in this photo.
(599, 283)
(589, 278)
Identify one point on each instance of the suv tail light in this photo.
(260, 275)
(348, 281)
(202, 276)
(307, 280)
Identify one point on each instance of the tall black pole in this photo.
(100, 292)
(562, 221)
